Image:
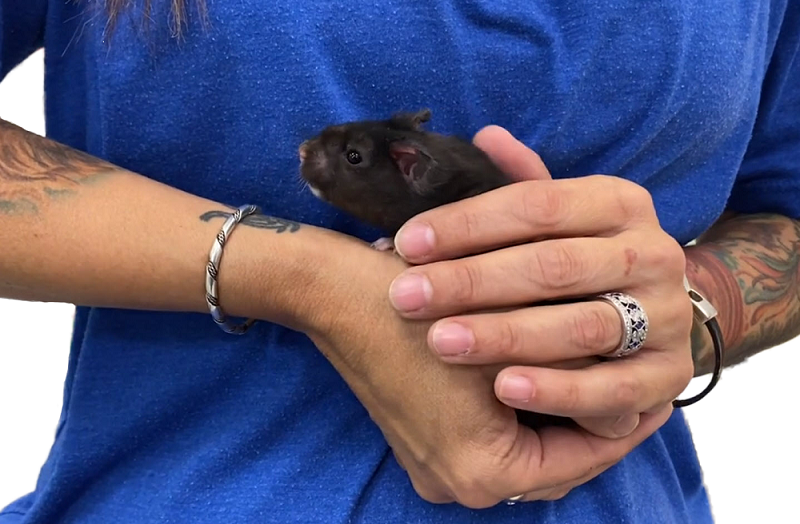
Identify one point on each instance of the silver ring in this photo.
(634, 323)
(513, 500)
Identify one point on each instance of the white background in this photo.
(744, 430)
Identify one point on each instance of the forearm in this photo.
(748, 266)
(76, 229)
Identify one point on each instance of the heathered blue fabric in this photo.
(168, 420)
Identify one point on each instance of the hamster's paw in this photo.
(383, 244)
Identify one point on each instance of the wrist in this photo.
(702, 349)
(707, 273)
(296, 275)
(274, 273)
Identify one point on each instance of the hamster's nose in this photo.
(302, 151)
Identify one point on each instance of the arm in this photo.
(748, 263)
(748, 266)
(76, 229)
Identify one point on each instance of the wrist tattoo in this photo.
(749, 268)
(279, 225)
(35, 169)
(702, 349)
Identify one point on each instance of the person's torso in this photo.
(167, 419)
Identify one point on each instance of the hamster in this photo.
(385, 172)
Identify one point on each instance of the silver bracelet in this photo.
(212, 270)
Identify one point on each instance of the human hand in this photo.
(456, 441)
(552, 240)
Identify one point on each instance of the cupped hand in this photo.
(512, 275)
(456, 441)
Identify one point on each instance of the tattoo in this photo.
(34, 169)
(702, 349)
(748, 267)
(279, 225)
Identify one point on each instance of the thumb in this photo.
(509, 154)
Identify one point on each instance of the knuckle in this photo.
(571, 396)
(557, 494)
(469, 224)
(634, 200)
(607, 456)
(426, 491)
(556, 266)
(510, 341)
(466, 282)
(491, 434)
(540, 206)
(477, 501)
(472, 476)
(668, 258)
(433, 497)
(470, 491)
(627, 393)
(593, 330)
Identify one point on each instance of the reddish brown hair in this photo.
(178, 12)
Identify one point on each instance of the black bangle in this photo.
(705, 313)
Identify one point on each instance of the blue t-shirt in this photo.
(167, 419)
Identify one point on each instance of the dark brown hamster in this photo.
(384, 172)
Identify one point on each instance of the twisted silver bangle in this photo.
(212, 271)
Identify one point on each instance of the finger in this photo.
(510, 155)
(521, 275)
(562, 490)
(557, 456)
(554, 493)
(610, 427)
(613, 427)
(633, 384)
(522, 212)
(536, 335)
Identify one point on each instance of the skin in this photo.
(66, 210)
(748, 265)
(468, 448)
(575, 238)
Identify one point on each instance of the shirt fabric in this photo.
(166, 419)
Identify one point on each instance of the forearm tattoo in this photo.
(748, 267)
(34, 169)
(279, 225)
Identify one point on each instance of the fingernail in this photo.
(625, 425)
(452, 339)
(516, 388)
(414, 240)
(410, 292)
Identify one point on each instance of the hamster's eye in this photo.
(354, 157)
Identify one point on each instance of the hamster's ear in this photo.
(411, 121)
(422, 116)
(416, 164)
